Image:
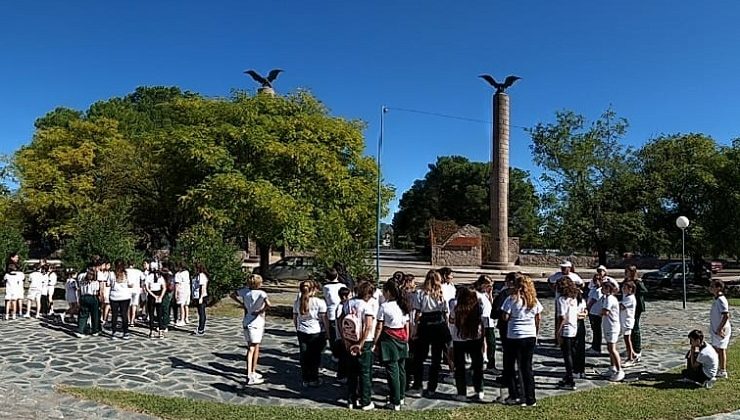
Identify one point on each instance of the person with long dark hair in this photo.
(90, 296)
(155, 287)
(567, 310)
(120, 298)
(484, 290)
(431, 331)
(522, 311)
(200, 294)
(391, 338)
(466, 326)
(14, 278)
(630, 273)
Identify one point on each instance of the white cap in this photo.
(601, 267)
(566, 264)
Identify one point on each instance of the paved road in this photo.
(37, 355)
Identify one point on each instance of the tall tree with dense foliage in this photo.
(458, 189)
(593, 195)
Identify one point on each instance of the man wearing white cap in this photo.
(566, 268)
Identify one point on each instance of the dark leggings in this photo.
(432, 335)
(595, 321)
(310, 347)
(636, 337)
(579, 349)
(202, 315)
(473, 348)
(567, 345)
(154, 308)
(523, 350)
(119, 308)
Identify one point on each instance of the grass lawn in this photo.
(658, 397)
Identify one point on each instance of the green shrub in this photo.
(203, 243)
(105, 234)
(11, 240)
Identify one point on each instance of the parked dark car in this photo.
(671, 274)
(289, 268)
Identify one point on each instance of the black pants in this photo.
(567, 347)
(475, 349)
(695, 374)
(490, 337)
(522, 350)
(595, 321)
(154, 310)
(636, 337)
(579, 350)
(119, 308)
(432, 335)
(202, 315)
(311, 346)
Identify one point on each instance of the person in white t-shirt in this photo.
(155, 287)
(466, 327)
(701, 361)
(593, 304)
(484, 291)
(104, 276)
(309, 314)
(136, 277)
(627, 319)
(182, 295)
(255, 303)
(13, 287)
(331, 296)
(120, 286)
(522, 311)
(568, 310)
(449, 291)
(566, 271)
(610, 328)
(200, 294)
(36, 287)
(359, 378)
(391, 341)
(47, 299)
(719, 324)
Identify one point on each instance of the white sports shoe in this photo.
(721, 374)
(617, 377)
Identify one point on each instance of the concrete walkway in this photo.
(37, 355)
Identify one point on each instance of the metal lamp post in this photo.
(383, 110)
(682, 222)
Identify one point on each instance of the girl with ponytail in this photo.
(309, 315)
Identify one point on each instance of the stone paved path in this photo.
(37, 355)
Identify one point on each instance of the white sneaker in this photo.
(255, 381)
(617, 377)
(403, 401)
(609, 372)
(369, 407)
(257, 375)
(721, 374)
(393, 407)
(628, 363)
(709, 383)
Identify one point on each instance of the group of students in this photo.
(114, 296)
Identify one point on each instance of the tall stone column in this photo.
(499, 257)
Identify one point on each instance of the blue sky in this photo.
(666, 66)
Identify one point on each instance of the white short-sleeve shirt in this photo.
(363, 310)
(719, 307)
(709, 361)
(37, 281)
(521, 319)
(331, 296)
(391, 315)
(627, 312)
(253, 301)
(595, 294)
(486, 306)
(610, 321)
(310, 322)
(568, 309)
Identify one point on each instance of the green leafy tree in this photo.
(457, 189)
(106, 235)
(593, 196)
(204, 244)
(680, 179)
(723, 217)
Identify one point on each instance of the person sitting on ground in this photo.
(701, 361)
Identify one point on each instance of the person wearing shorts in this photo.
(255, 303)
(610, 329)
(37, 287)
(13, 289)
(719, 325)
(182, 295)
(136, 277)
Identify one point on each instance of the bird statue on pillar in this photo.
(265, 82)
(500, 87)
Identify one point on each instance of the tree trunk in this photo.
(264, 256)
(602, 255)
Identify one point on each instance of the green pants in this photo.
(490, 335)
(89, 307)
(360, 379)
(166, 311)
(396, 371)
(636, 338)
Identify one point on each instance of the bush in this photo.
(104, 234)
(203, 243)
(11, 240)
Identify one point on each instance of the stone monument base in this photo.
(494, 265)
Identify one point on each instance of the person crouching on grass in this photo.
(719, 324)
(701, 361)
(255, 303)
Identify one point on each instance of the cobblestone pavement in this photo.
(37, 355)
